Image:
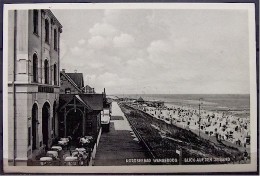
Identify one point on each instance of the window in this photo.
(67, 91)
(55, 39)
(46, 71)
(29, 136)
(35, 68)
(55, 74)
(35, 21)
(46, 31)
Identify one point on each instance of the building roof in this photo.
(95, 101)
(88, 87)
(53, 16)
(140, 99)
(77, 79)
(91, 101)
(65, 99)
(82, 101)
(70, 80)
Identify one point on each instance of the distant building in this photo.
(140, 100)
(88, 89)
(33, 82)
(71, 83)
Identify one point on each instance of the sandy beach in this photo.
(221, 125)
(165, 137)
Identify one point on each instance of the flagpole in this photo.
(199, 115)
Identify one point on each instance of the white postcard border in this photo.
(139, 169)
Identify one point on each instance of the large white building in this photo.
(33, 82)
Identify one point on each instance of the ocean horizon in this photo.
(235, 102)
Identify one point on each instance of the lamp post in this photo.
(199, 114)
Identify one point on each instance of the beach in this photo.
(225, 117)
(167, 140)
(228, 127)
(223, 125)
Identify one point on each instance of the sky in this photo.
(163, 51)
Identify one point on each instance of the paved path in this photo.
(119, 144)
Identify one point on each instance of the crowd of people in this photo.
(222, 125)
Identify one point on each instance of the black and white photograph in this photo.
(160, 87)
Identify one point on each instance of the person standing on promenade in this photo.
(245, 156)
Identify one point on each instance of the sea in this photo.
(213, 102)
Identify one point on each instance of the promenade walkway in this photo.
(119, 144)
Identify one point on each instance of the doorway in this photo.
(45, 123)
(34, 126)
(74, 122)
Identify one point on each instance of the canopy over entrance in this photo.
(75, 110)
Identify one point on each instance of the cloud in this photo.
(90, 79)
(125, 50)
(159, 47)
(161, 52)
(64, 49)
(96, 65)
(81, 42)
(98, 42)
(103, 29)
(112, 80)
(76, 51)
(123, 41)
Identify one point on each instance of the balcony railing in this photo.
(45, 89)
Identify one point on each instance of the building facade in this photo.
(33, 82)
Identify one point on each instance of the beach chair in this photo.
(81, 153)
(53, 154)
(56, 148)
(75, 153)
(71, 161)
(80, 149)
(63, 143)
(64, 139)
(45, 161)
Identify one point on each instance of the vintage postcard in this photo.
(130, 88)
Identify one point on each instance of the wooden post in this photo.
(84, 121)
(180, 156)
(74, 104)
(65, 122)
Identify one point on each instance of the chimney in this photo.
(75, 71)
(63, 70)
(104, 93)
